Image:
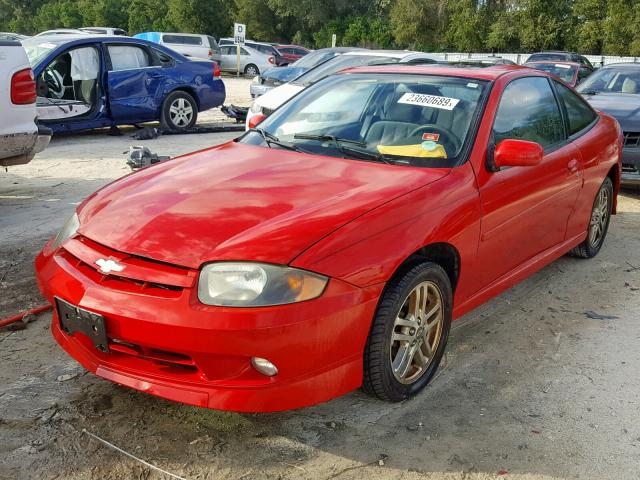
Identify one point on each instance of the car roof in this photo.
(622, 64)
(561, 62)
(488, 73)
(382, 53)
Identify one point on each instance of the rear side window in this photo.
(528, 111)
(579, 114)
(127, 57)
(182, 39)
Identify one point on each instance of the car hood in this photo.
(624, 107)
(277, 96)
(240, 202)
(284, 74)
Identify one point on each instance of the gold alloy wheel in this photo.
(599, 218)
(416, 333)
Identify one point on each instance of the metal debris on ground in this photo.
(139, 157)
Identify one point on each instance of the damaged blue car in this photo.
(86, 82)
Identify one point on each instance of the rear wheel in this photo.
(179, 112)
(251, 70)
(599, 222)
(409, 333)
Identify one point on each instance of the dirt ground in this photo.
(540, 383)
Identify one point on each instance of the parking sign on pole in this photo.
(239, 33)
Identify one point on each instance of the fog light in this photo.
(264, 366)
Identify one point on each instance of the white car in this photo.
(264, 105)
(252, 62)
(191, 45)
(104, 31)
(62, 31)
(20, 137)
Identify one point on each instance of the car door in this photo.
(132, 83)
(525, 209)
(228, 57)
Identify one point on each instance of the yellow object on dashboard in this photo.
(420, 150)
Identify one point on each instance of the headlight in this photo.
(68, 230)
(244, 284)
(256, 79)
(255, 108)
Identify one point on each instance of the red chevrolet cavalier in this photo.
(331, 247)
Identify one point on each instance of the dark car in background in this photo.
(278, 76)
(568, 72)
(88, 81)
(615, 90)
(560, 56)
(292, 53)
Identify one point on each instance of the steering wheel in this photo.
(447, 137)
(54, 82)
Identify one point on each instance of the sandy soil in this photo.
(532, 386)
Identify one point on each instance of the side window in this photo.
(227, 50)
(528, 111)
(580, 115)
(161, 58)
(182, 39)
(127, 57)
(243, 52)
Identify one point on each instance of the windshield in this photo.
(612, 80)
(38, 48)
(553, 57)
(564, 72)
(420, 120)
(314, 58)
(340, 63)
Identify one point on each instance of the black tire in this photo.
(251, 70)
(379, 378)
(175, 122)
(590, 247)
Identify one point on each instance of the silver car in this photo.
(252, 62)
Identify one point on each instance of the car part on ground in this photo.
(334, 242)
(20, 137)
(239, 114)
(140, 157)
(615, 90)
(25, 317)
(90, 81)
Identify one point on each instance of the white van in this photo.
(188, 44)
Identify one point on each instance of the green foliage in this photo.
(588, 26)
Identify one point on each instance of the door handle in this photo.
(573, 166)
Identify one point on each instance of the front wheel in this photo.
(599, 222)
(179, 112)
(409, 333)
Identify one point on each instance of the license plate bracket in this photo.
(75, 319)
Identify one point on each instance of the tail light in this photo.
(216, 70)
(210, 53)
(255, 120)
(272, 60)
(23, 87)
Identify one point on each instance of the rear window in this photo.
(554, 57)
(182, 39)
(212, 43)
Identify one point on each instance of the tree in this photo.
(468, 26)
(589, 16)
(419, 24)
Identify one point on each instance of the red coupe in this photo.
(291, 52)
(331, 246)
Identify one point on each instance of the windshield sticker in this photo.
(434, 137)
(433, 101)
(559, 65)
(472, 85)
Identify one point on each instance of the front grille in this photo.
(632, 139)
(160, 357)
(139, 275)
(629, 168)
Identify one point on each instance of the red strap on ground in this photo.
(16, 318)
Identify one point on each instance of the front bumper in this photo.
(257, 89)
(165, 342)
(630, 166)
(19, 149)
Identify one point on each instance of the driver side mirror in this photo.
(517, 153)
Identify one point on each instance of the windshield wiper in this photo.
(326, 136)
(339, 144)
(271, 139)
